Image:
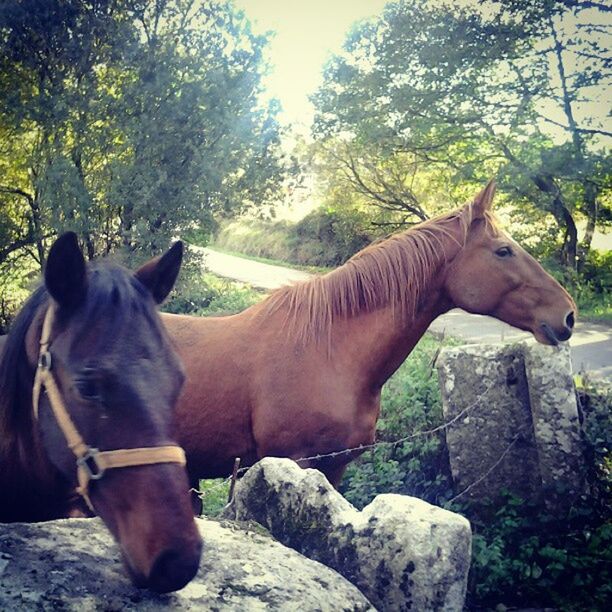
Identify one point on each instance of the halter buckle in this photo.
(45, 361)
(89, 463)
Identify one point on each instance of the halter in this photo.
(91, 462)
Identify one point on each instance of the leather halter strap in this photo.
(91, 462)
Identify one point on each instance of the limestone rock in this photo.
(514, 421)
(485, 395)
(555, 417)
(74, 565)
(403, 553)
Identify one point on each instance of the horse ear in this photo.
(159, 274)
(484, 200)
(65, 272)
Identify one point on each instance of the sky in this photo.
(307, 33)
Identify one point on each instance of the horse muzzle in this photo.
(172, 569)
(554, 335)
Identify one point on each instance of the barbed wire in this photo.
(364, 447)
(488, 472)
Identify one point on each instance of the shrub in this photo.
(205, 294)
(591, 287)
(325, 237)
(256, 238)
(418, 466)
(213, 493)
(328, 237)
(523, 554)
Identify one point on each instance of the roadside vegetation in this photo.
(132, 123)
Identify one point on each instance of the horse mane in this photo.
(392, 272)
(15, 416)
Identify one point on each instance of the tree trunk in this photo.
(591, 208)
(563, 216)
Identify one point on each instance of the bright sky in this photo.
(307, 33)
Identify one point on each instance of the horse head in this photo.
(118, 378)
(493, 275)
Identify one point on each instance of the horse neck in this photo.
(25, 470)
(378, 342)
(375, 344)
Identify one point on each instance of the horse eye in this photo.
(88, 389)
(504, 251)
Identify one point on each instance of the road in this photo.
(591, 343)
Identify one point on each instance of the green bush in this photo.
(206, 294)
(591, 287)
(213, 493)
(419, 466)
(325, 237)
(523, 555)
(328, 237)
(256, 238)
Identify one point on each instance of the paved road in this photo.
(591, 343)
(255, 273)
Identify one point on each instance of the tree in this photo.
(470, 93)
(129, 121)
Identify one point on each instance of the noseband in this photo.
(91, 462)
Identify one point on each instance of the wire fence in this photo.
(230, 480)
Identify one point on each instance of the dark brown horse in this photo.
(301, 373)
(117, 379)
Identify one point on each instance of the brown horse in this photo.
(301, 373)
(117, 377)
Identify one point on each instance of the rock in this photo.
(403, 553)
(556, 423)
(74, 565)
(485, 395)
(514, 422)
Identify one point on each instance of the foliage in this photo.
(451, 94)
(256, 237)
(328, 237)
(523, 554)
(205, 294)
(526, 555)
(213, 493)
(129, 122)
(325, 237)
(591, 288)
(419, 467)
(15, 285)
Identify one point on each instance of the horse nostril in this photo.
(173, 569)
(569, 321)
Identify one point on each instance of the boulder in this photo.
(74, 565)
(486, 398)
(402, 553)
(513, 423)
(556, 424)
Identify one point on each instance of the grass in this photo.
(596, 311)
(209, 295)
(213, 493)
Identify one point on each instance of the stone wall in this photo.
(74, 565)
(514, 422)
(403, 553)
